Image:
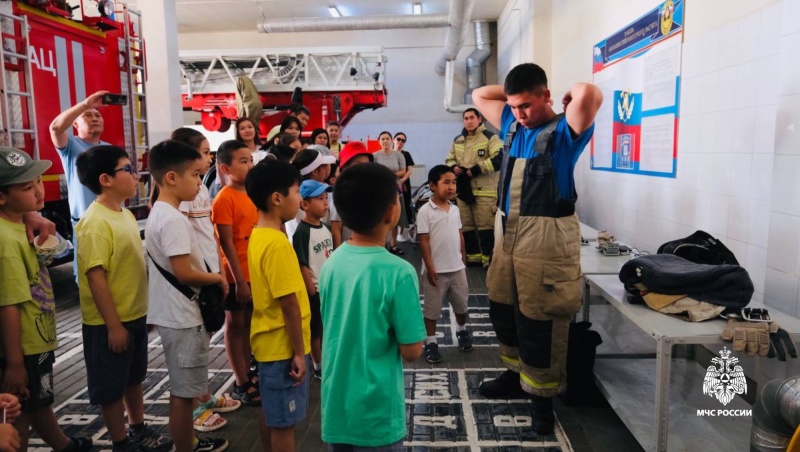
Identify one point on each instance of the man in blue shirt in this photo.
(88, 123)
(534, 278)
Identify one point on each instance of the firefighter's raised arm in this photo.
(59, 128)
(490, 100)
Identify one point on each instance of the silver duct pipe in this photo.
(776, 415)
(477, 59)
(304, 24)
(460, 13)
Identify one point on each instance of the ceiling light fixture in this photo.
(417, 8)
(334, 12)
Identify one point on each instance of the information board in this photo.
(638, 71)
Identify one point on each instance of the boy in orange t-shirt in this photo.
(234, 217)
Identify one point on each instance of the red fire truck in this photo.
(53, 56)
(335, 83)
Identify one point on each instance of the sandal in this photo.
(396, 251)
(224, 404)
(242, 394)
(207, 421)
(253, 376)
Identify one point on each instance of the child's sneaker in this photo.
(464, 341)
(149, 440)
(78, 444)
(127, 446)
(432, 353)
(210, 444)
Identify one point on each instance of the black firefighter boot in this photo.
(543, 419)
(506, 386)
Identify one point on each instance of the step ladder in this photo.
(135, 116)
(18, 125)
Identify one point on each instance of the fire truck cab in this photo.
(54, 55)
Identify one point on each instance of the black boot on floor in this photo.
(506, 386)
(543, 418)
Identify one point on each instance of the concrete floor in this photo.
(444, 409)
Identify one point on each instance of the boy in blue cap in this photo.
(313, 244)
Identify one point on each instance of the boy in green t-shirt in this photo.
(112, 283)
(27, 306)
(280, 334)
(372, 318)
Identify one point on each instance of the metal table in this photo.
(593, 262)
(667, 331)
(589, 233)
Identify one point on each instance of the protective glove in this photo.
(750, 337)
(604, 237)
(780, 339)
(475, 171)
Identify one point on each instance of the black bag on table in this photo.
(209, 299)
(700, 248)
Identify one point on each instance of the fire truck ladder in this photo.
(136, 135)
(16, 92)
(281, 70)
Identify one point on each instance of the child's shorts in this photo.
(453, 285)
(284, 404)
(186, 353)
(109, 374)
(40, 380)
(316, 316)
(230, 303)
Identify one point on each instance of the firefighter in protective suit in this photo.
(534, 279)
(475, 157)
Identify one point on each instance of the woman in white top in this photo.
(247, 133)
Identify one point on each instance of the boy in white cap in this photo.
(27, 307)
(313, 244)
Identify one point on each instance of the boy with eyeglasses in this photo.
(112, 282)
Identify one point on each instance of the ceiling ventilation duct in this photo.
(475, 69)
(476, 61)
(307, 24)
(460, 13)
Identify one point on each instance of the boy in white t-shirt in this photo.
(199, 214)
(172, 245)
(444, 271)
(313, 244)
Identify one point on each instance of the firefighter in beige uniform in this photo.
(476, 156)
(534, 279)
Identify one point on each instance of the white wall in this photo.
(415, 92)
(725, 147)
(784, 219)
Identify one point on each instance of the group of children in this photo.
(279, 293)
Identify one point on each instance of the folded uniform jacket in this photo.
(723, 285)
(679, 306)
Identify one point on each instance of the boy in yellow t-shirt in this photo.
(27, 309)
(280, 334)
(112, 282)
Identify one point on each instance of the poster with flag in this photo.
(638, 71)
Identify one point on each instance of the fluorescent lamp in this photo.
(417, 8)
(334, 12)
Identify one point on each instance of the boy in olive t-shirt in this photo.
(371, 315)
(112, 283)
(27, 308)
